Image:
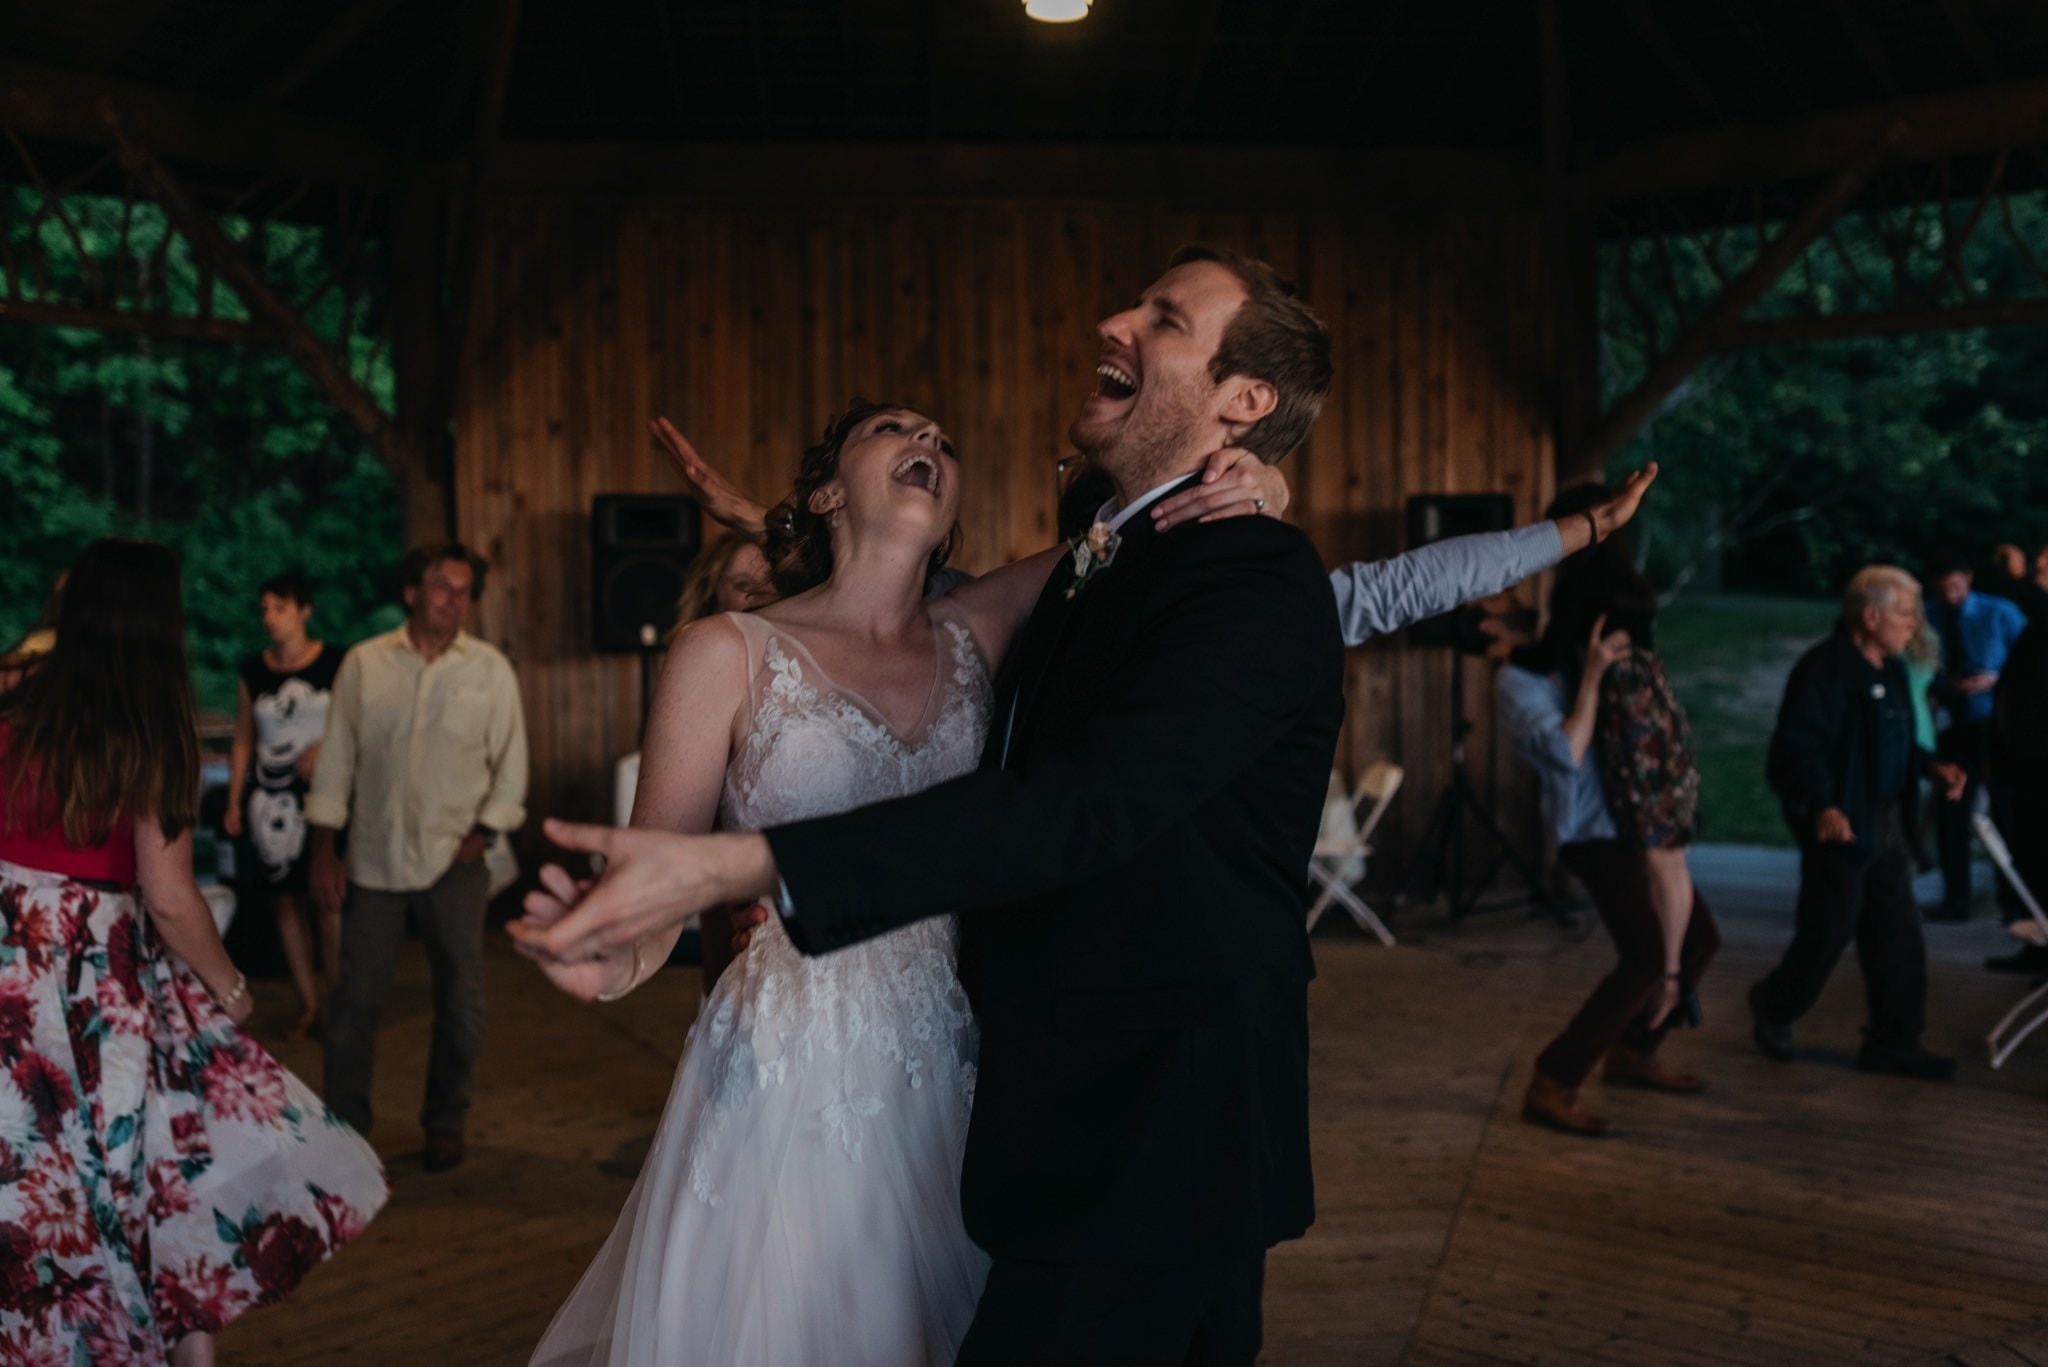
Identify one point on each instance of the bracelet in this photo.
(1592, 524)
(631, 982)
(235, 994)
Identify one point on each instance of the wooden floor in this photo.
(1798, 1214)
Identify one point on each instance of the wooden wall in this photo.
(750, 325)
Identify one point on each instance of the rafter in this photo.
(1195, 71)
(1888, 323)
(1971, 37)
(798, 172)
(1708, 334)
(1962, 124)
(1867, 46)
(314, 56)
(1643, 21)
(1763, 42)
(165, 326)
(212, 245)
(1377, 48)
(66, 107)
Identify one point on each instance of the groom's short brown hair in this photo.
(1276, 337)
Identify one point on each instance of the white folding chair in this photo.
(1338, 863)
(2001, 1043)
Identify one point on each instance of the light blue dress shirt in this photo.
(1532, 710)
(1380, 596)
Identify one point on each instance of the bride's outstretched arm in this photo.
(690, 725)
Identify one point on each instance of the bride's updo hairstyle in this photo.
(798, 543)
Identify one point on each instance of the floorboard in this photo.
(1795, 1214)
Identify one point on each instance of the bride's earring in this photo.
(833, 520)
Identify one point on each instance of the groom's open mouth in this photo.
(1114, 382)
(919, 471)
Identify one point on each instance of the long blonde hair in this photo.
(700, 587)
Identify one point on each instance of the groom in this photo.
(1151, 791)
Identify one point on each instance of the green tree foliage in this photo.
(228, 453)
(1787, 467)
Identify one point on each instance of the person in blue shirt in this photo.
(1977, 634)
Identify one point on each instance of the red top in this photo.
(40, 844)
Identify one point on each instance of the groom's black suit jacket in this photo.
(1130, 861)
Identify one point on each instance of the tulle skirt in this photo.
(800, 1205)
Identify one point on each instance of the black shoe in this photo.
(1912, 1061)
(1687, 1012)
(2031, 959)
(1773, 1039)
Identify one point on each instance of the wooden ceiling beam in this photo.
(1640, 18)
(1377, 48)
(1867, 46)
(314, 56)
(1763, 42)
(1834, 327)
(1713, 328)
(215, 250)
(66, 106)
(1964, 123)
(799, 172)
(163, 326)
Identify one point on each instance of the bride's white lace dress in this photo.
(801, 1203)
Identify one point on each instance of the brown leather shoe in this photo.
(1556, 1105)
(444, 1150)
(1628, 1067)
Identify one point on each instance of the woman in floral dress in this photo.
(159, 1172)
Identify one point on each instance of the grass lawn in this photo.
(1729, 656)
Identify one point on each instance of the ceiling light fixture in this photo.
(1057, 11)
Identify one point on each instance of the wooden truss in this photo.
(129, 280)
(1897, 240)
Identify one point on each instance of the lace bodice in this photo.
(812, 748)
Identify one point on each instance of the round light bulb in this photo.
(1057, 11)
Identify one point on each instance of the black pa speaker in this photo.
(1438, 517)
(641, 546)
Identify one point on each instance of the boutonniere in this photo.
(1093, 550)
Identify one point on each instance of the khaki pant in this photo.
(451, 920)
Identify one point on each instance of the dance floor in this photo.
(1796, 1214)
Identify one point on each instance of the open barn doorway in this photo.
(1879, 403)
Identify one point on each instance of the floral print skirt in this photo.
(159, 1172)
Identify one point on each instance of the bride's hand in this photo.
(722, 503)
(653, 880)
(1235, 483)
(555, 898)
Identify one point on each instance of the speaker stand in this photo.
(1441, 858)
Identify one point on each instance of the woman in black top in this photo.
(279, 716)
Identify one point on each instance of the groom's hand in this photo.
(652, 881)
(556, 897)
(745, 923)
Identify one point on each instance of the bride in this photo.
(800, 1204)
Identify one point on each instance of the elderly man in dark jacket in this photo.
(1844, 762)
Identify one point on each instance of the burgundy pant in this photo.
(1617, 877)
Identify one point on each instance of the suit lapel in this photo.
(1045, 636)
(1030, 658)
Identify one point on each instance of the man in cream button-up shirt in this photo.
(424, 761)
